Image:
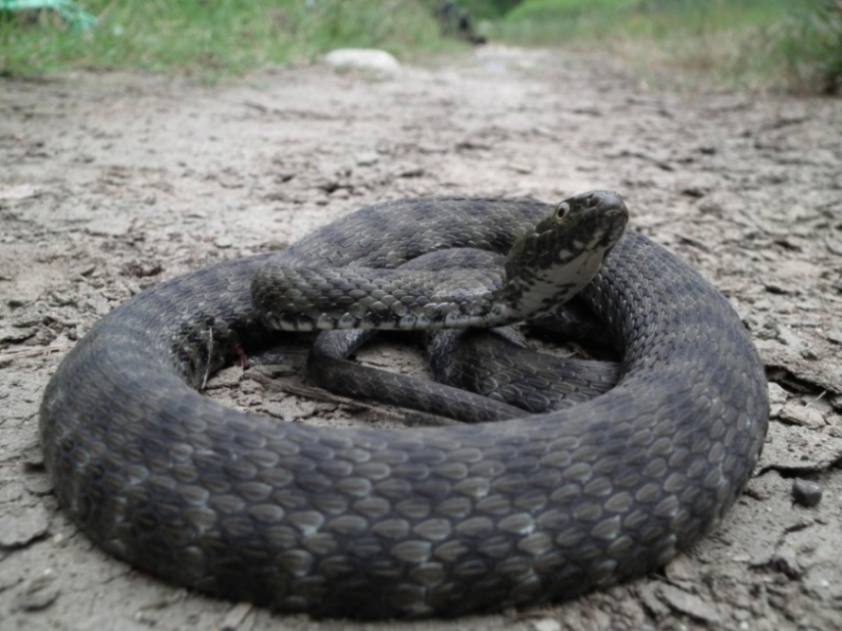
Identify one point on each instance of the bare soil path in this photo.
(111, 183)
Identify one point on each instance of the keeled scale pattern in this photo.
(377, 523)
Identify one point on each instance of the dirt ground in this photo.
(111, 183)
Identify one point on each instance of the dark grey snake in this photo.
(380, 523)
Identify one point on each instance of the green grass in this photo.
(810, 45)
(211, 38)
(565, 9)
(651, 18)
(758, 44)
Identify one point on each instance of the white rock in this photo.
(546, 624)
(363, 59)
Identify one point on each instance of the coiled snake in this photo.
(380, 523)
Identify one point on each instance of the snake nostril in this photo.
(592, 200)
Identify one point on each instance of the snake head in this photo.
(563, 252)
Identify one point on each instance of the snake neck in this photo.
(306, 299)
(538, 291)
(544, 268)
(293, 298)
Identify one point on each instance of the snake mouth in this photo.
(611, 209)
(608, 251)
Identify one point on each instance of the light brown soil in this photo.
(111, 183)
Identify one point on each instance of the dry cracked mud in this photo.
(111, 183)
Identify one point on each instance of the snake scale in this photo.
(376, 523)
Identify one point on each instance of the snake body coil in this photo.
(381, 523)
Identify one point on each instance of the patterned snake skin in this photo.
(377, 523)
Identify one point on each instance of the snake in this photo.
(374, 522)
(495, 363)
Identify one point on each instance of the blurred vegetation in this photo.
(810, 43)
(212, 38)
(759, 44)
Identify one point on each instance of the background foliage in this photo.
(759, 44)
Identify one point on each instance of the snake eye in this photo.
(561, 211)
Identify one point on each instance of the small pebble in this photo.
(806, 493)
